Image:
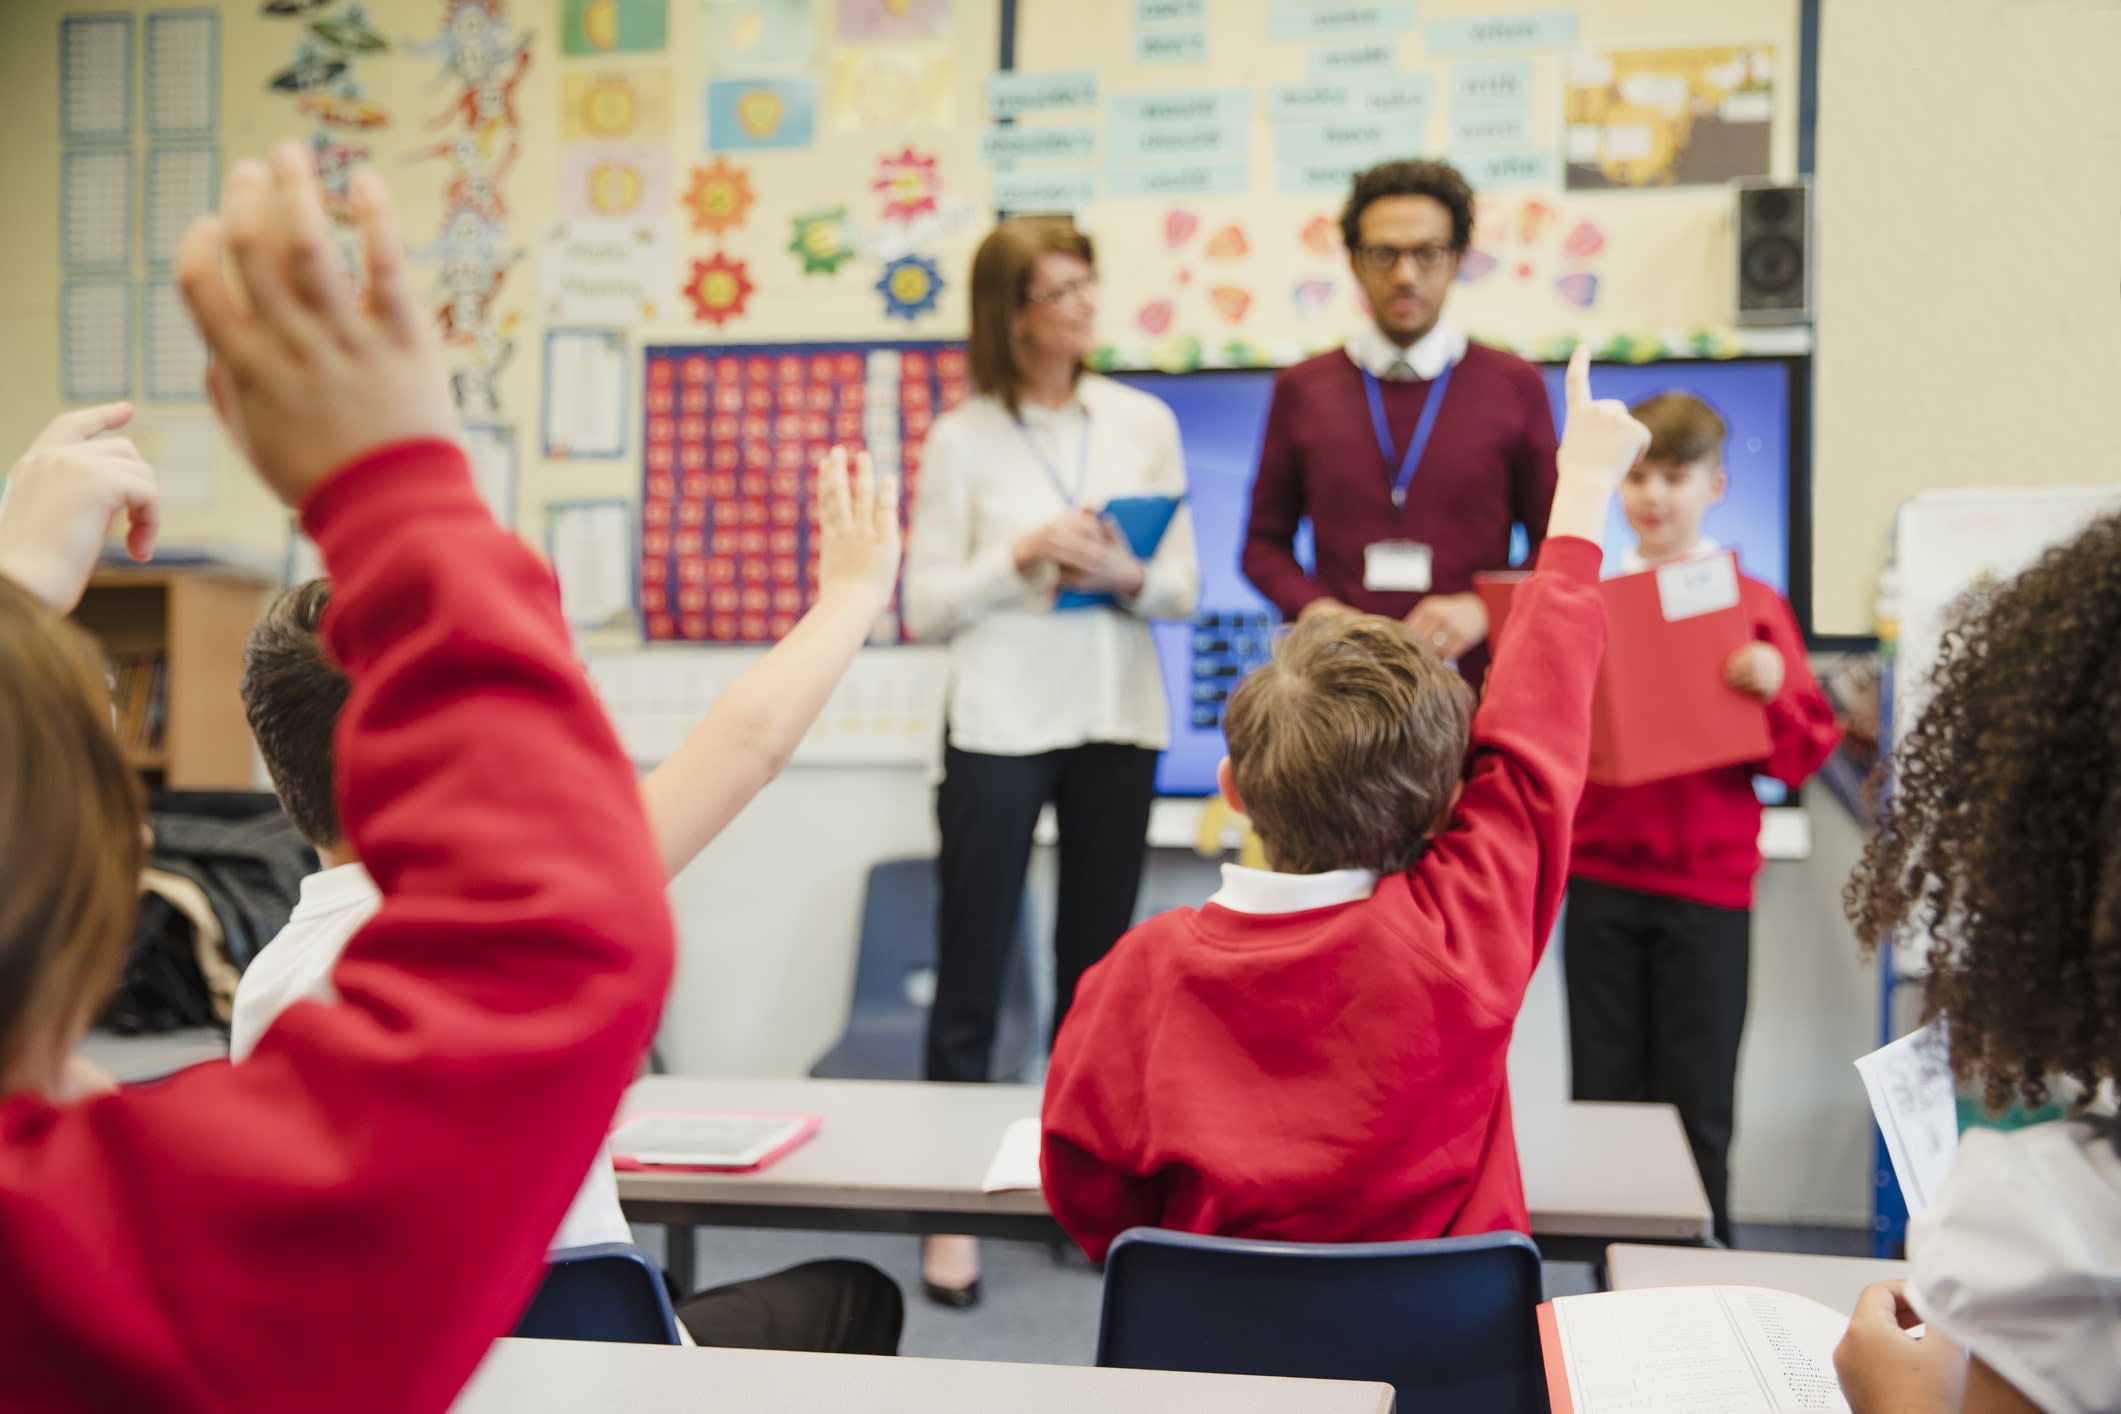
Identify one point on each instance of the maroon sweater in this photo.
(1490, 464)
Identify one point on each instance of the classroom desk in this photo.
(905, 1156)
(1830, 1281)
(535, 1376)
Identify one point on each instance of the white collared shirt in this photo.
(297, 966)
(1023, 678)
(1633, 563)
(1262, 891)
(1424, 359)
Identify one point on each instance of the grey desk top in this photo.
(1833, 1282)
(533, 1376)
(1616, 1171)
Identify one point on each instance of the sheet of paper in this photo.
(96, 341)
(889, 86)
(1362, 57)
(1052, 191)
(181, 187)
(605, 274)
(491, 448)
(1308, 19)
(1475, 34)
(761, 115)
(585, 393)
(1731, 1349)
(591, 544)
(1011, 94)
(1491, 85)
(615, 181)
(184, 449)
(96, 78)
(96, 209)
(615, 103)
(758, 36)
(175, 356)
(868, 21)
(1015, 1163)
(183, 73)
(1916, 1103)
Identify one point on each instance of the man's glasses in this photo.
(1385, 259)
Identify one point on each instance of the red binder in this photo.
(1662, 707)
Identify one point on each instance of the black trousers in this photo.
(1657, 990)
(836, 1307)
(987, 808)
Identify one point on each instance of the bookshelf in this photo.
(175, 638)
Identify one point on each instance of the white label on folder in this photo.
(1692, 588)
(1396, 567)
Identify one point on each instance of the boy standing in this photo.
(1318, 1053)
(1659, 923)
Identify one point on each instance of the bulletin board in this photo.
(1212, 142)
(579, 182)
(729, 546)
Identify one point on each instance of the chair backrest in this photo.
(1451, 1324)
(610, 1291)
(894, 974)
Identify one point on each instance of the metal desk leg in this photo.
(680, 1256)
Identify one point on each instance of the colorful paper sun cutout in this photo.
(719, 289)
(909, 185)
(822, 241)
(720, 197)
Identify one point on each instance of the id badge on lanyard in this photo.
(1401, 566)
(1074, 497)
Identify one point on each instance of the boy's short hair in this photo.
(1347, 746)
(293, 694)
(1683, 428)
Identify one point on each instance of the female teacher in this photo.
(1055, 694)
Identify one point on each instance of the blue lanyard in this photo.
(1422, 429)
(1082, 461)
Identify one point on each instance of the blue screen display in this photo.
(1222, 416)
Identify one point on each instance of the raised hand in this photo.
(1599, 446)
(857, 527)
(310, 373)
(62, 497)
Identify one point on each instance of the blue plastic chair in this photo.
(887, 1021)
(610, 1291)
(1451, 1324)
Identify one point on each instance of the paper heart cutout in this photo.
(1155, 316)
(1228, 244)
(1179, 226)
(1312, 296)
(1231, 302)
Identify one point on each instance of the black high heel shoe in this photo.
(956, 1298)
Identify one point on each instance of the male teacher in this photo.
(1411, 451)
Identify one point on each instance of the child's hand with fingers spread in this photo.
(310, 373)
(1756, 670)
(858, 529)
(62, 496)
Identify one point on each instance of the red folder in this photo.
(1662, 707)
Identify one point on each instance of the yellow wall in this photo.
(1970, 205)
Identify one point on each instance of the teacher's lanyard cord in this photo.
(1082, 461)
(1412, 460)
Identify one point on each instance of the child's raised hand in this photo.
(1602, 440)
(1885, 1367)
(310, 372)
(857, 521)
(1756, 670)
(62, 496)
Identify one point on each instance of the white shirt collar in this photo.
(1633, 562)
(1078, 405)
(330, 890)
(1261, 891)
(1433, 352)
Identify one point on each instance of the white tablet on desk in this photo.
(722, 1141)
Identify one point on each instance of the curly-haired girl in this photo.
(2002, 843)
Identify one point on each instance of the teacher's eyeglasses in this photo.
(1061, 294)
(1384, 259)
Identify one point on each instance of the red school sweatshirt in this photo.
(1338, 1074)
(1697, 836)
(348, 1219)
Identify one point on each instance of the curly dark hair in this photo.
(2001, 833)
(1439, 181)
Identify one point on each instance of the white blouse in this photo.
(2019, 1261)
(1023, 677)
